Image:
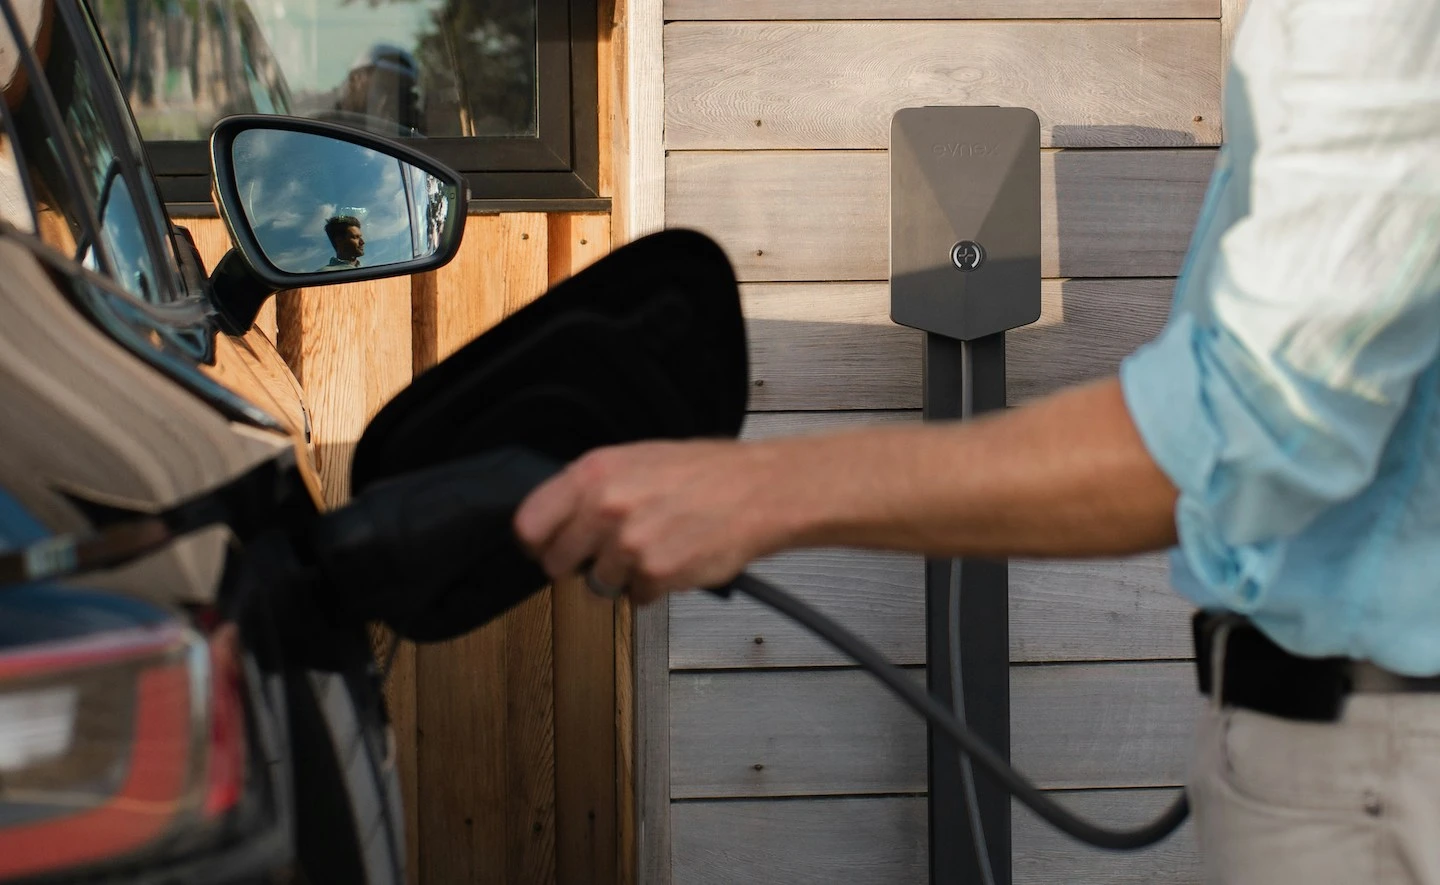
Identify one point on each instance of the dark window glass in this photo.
(505, 91)
(411, 67)
(104, 180)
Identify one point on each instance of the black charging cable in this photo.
(918, 700)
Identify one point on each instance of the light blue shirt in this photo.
(1292, 397)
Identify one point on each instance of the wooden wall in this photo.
(506, 738)
(775, 760)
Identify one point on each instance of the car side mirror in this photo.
(311, 203)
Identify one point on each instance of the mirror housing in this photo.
(293, 191)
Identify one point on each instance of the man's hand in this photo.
(656, 517)
(1066, 476)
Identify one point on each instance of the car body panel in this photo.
(83, 418)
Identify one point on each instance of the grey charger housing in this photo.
(965, 219)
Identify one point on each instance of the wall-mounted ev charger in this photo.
(965, 269)
(965, 220)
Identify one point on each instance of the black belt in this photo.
(1259, 675)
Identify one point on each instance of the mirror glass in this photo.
(319, 204)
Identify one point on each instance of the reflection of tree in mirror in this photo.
(437, 210)
(477, 66)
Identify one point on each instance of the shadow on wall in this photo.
(1149, 198)
(1117, 227)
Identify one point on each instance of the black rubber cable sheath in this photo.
(914, 695)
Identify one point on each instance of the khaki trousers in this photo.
(1279, 802)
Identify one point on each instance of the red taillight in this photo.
(225, 780)
(115, 741)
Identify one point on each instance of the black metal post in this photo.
(984, 640)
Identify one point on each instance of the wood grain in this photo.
(641, 660)
(349, 346)
(893, 10)
(530, 739)
(584, 642)
(575, 242)
(654, 724)
(401, 700)
(833, 346)
(212, 238)
(1232, 13)
(610, 98)
(639, 206)
(825, 215)
(883, 841)
(628, 833)
(502, 267)
(839, 732)
(1059, 611)
(486, 711)
(790, 85)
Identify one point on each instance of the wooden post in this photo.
(485, 706)
(584, 631)
(642, 665)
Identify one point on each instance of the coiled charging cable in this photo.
(917, 699)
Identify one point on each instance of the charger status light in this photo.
(967, 255)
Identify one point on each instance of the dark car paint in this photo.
(292, 728)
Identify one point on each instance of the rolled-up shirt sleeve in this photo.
(1272, 397)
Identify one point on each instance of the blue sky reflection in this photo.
(290, 183)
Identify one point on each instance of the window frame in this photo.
(560, 162)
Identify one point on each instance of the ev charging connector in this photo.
(965, 269)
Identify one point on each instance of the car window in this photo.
(122, 200)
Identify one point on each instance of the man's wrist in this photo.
(810, 491)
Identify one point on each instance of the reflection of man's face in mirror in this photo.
(347, 239)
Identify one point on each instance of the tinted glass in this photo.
(397, 67)
(103, 181)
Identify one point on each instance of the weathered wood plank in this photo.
(764, 425)
(486, 705)
(819, 732)
(833, 346)
(640, 179)
(825, 215)
(753, 86)
(894, 10)
(1232, 13)
(1043, 856)
(1059, 611)
(653, 747)
(883, 841)
(880, 841)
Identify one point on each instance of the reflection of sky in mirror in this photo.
(290, 183)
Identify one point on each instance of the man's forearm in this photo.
(1066, 476)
